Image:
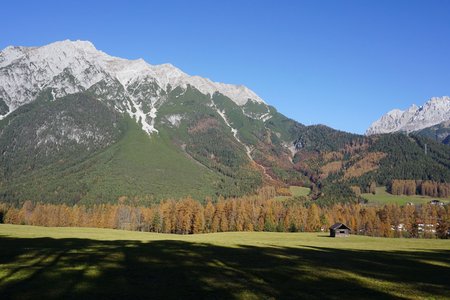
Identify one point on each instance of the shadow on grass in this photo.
(90, 269)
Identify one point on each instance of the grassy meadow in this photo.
(383, 197)
(87, 263)
(296, 191)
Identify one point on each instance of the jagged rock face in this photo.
(434, 111)
(70, 67)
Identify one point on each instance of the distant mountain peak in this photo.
(434, 111)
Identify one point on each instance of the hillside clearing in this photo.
(101, 263)
(383, 197)
(296, 191)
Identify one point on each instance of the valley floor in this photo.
(40, 262)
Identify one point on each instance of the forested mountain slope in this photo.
(80, 126)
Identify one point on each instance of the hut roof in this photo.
(339, 226)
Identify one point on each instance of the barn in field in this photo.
(339, 230)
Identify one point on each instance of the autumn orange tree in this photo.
(250, 213)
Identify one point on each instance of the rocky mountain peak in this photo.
(434, 111)
(73, 66)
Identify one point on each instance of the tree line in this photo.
(251, 213)
(419, 187)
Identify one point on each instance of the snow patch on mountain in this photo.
(248, 150)
(266, 117)
(175, 119)
(434, 111)
(147, 120)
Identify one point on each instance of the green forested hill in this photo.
(376, 161)
(78, 150)
(140, 168)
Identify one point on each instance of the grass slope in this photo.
(82, 263)
(296, 191)
(383, 197)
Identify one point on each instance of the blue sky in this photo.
(339, 63)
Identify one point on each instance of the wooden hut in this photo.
(339, 230)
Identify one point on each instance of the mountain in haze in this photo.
(80, 126)
(433, 112)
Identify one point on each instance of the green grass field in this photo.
(383, 197)
(296, 191)
(87, 263)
